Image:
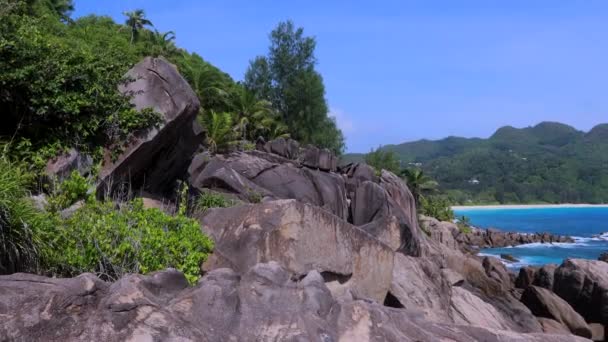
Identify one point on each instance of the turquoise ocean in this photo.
(587, 225)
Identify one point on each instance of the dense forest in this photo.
(59, 92)
(547, 163)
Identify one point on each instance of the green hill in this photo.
(550, 162)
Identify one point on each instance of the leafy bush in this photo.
(112, 240)
(71, 190)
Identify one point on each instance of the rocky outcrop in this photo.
(525, 277)
(584, 285)
(494, 238)
(418, 284)
(301, 238)
(544, 303)
(154, 158)
(280, 169)
(544, 277)
(264, 304)
(268, 176)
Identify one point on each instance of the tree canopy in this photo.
(288, 79)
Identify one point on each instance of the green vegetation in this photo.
(288, 79)
(383, 160)
(437, 206)
(464, 224)
(111, 240)
(106, 238)
(419, 183)
(18, 220)
(208, 200)
(547, 163)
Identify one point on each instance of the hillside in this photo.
(550, 162)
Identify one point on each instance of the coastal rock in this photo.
(584, 285)
(419, 284)
(544, 277)
(603, 257)
(494, 238)
(508, 257)
(442, 232)
(497, 271)
(153, 159)
(301, 238)
(525, 277)
(390, 197)
(264, 304)
(544, 303)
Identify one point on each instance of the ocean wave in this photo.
(555, 244)
(521, 261)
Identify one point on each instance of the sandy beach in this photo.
(527, 206)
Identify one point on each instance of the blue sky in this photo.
(398, 71)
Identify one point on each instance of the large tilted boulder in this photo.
(269, 176)
(153, 159)
(389, 197)
(525, 277)
(264, 304)
(584, 285)
(544, 303)
(300, 237)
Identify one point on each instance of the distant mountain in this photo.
(550, 162)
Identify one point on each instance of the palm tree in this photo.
(254, 117)
(164, 43)
(219, 129)
(418, 183)
(136, 20)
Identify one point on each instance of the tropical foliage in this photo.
(419, 184)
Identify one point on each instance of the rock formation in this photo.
(263, 304)
(153, 159)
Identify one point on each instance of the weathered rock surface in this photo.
(440, 231)
(153, 159)
(264, 304)
(418, 284)
(584, 285)
(389, 197)
(269, 176)
(301, 238)
(544, 277)
(525, 277)
(60, 167)
(544, 303)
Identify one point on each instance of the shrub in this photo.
(112, 240)
(209, 200)
(71, 190)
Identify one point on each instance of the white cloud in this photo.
(345, 123)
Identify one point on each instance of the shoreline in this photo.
(525, 206)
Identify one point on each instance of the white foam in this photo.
(554, 244)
